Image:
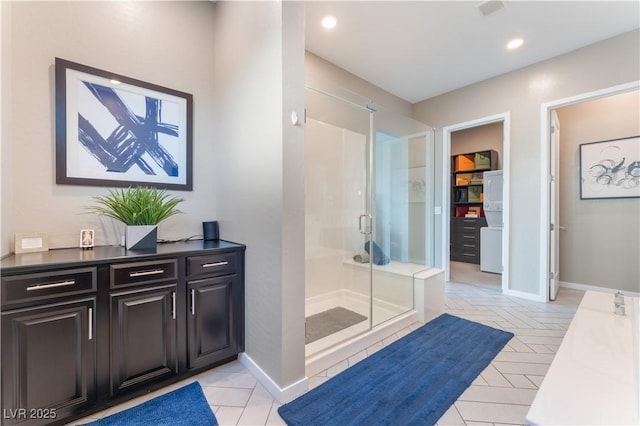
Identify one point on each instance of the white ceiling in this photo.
(420, 49)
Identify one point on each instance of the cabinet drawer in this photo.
(460, 224)
(47, 285)
(471, 243)
(130, 274)
(465, 255)
(465, 234)
(212, 265)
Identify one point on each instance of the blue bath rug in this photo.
(413, 381)
(186, 406)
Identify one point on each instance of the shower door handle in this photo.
(366, 229)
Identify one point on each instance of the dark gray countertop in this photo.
(71, 257)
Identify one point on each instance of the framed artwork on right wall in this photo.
(610, 169)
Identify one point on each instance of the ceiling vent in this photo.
(490, 6)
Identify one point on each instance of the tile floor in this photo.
(501, 395)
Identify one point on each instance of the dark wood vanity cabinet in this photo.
(214, 285)
(143, 337)
(142, 317)
(48, 345)
(211, 326)
(84, 330)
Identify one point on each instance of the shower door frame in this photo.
(364, 223)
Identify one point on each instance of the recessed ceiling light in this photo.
(329, 22)
(515, 43)
(114, 81)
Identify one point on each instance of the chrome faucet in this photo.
(618, 302)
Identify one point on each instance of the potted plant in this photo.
(140, 208)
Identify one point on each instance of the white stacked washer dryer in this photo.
(491, 236)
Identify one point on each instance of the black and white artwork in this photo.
(610, 169)
(116, 131)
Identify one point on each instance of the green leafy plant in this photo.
(137, 205)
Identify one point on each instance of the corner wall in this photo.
(258, 82)
(605, 64)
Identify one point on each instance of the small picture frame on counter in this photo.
(86, 239)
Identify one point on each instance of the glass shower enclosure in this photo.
(368, 215)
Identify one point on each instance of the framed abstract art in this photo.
(113, 130)
(610, 169)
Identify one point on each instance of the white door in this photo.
(554, 214)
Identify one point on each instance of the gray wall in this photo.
(605, 64)
(258, 82)
(600, 242)
(324, 75)
(6, 188)
(128, 38)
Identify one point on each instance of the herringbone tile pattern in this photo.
(504, 391)
(501, 395)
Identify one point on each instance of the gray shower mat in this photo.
(328, 322)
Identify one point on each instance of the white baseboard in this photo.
(524, 295)
(282, 395)
(585, 287)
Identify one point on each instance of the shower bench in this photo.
(428, 285)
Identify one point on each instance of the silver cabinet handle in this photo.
(90, 323)
(193, 302)
(173, 304)
(469, 236)
(145, 273)
(52, 285)
(469, 227)
(468, 245)
(209, 265)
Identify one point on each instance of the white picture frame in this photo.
(87, 238)
(31, 242)
(610, 169)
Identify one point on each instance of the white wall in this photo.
(165, 43)
(597, 243)
(335, 163)
(605, 64)
(258, 80)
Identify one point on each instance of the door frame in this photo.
(505, 118)
(554, 204)
(545, 151)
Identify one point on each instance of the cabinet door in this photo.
(143, 337)
(48, 362)
(211, 325)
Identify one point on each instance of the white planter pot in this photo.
(141, 237)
